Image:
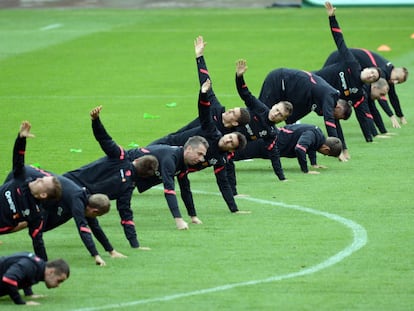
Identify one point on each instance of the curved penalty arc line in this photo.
(359, 240)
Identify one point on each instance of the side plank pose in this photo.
(348, 77)
(393, 75)
(21, 195)
(174, 161)
(78, 204)
(219, 144)
(115, 175)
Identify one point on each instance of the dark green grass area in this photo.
(56, 65)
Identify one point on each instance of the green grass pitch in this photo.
(341, 240)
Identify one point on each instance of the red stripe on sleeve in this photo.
(9, 281)
(330, 124)
(85, 229)
(336, 29)
(301, 147)
(37, 230)
(166, 191)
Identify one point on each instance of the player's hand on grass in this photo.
(242, 212)
(313, 172)
(32, 303)
(196, 220)
(403, 120)
(115, 254)
(394, 122)
(36, 296)
(181, 224)
(99, 261)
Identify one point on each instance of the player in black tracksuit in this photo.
(216, 156)
(17, 203)
(294, 141)
(260, 126)
(171, 164)
(24, 269)
(393, 75)
(348, 76)
(226, 120)
(72, 204)
(115, 175)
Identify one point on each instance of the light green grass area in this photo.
(340, 240)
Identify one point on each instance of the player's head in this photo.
(343, 110)
(370, 74)
(399, 75)
(146, 166)
(379, 89)
(98, 205)
(232, 141)
(56, 272)
(332, 147)
(280, 111)
(235, 117)
(195, 149)
(46, 188)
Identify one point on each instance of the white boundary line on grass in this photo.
(359, 240)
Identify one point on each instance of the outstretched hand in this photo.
(95, 112)
(199, 46)
(241, 67)
(330, 9)
(25, 129)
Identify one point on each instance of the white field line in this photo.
(51, 26)
(359, 240)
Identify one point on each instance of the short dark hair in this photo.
(335, 146)
(242, 140)
(60, 266)
(146, 165)
(288, 106)
(347, 108)
(244, 117)
(55, 193)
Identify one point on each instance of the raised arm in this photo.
(20, 147)
(108, 145)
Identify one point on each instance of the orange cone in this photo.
(384, 48)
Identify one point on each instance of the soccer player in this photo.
(394, 75)
(220, 145)
(115, 175)
(376, 91)
(22, 195)
(226, 120)
(294, 141)
(348, 76)
(174, 161)
(22, 270)
(78, 204)
(263, 119)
